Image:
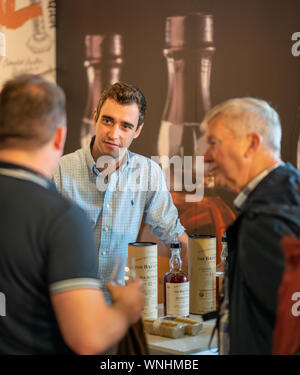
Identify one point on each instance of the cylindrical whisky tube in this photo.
(145, 254)
(202, 273)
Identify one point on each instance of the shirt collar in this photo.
(88, 156)
(24, 173)
(92, 164)
(244, 194)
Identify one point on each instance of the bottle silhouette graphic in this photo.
(189, 52)
(103, 66)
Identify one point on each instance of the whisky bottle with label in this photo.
(176, 285)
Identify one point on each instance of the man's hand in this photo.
(128, 299)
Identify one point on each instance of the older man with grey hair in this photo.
(243, 137)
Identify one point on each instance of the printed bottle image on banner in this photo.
(103, 66)
(189, 52)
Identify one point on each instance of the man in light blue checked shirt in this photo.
(118, 188)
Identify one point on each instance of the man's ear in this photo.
(59, 137)
(95, 117)
(138, 131)
(254, 142)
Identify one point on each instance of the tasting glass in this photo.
(123, 271)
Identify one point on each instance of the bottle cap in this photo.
(192, 30)
(99, 45)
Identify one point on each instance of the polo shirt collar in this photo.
(24, 173)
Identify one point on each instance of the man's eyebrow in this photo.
(128, 124)
(212, 138)
(106, 117)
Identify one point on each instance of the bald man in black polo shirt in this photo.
(48, 267)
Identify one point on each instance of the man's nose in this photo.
(114, 131)
(207, 156)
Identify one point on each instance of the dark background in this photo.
(253, 56)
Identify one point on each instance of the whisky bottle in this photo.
(176, 285)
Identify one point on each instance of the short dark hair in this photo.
(124, 93)
(31, 108)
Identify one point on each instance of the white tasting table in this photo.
(191, 345)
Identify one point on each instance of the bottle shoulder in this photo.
(176, 277)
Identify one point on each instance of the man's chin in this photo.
(225, 184)
(114, 152)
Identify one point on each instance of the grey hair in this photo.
(247, 115)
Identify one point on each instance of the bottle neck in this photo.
(188, 77)
(175, 261)
(99, 76)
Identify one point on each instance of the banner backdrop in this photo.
(253, 55)
(184, 65)
(28, 27)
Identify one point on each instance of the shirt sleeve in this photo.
(72, 256)
(160, 211)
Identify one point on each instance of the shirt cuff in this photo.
(61, 286)
(177, 233)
